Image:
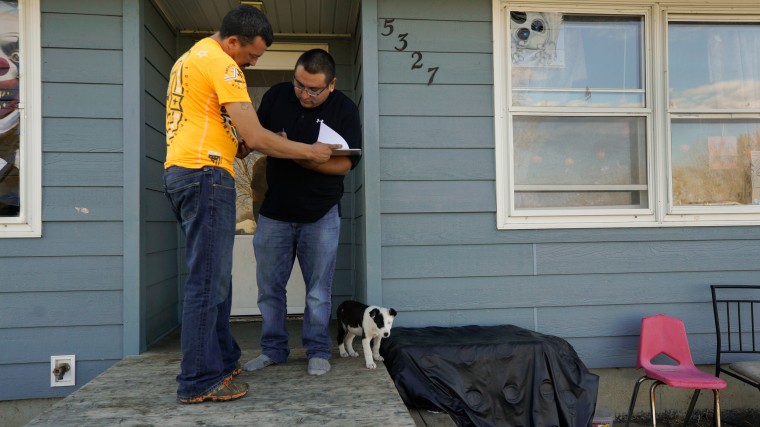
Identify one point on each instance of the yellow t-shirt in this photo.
(198, 130)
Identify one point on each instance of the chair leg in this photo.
(633, 398)
(652, 389)
(693, 402)
(716, 415)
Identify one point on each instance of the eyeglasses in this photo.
(300, 88)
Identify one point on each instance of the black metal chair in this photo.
(737, 314)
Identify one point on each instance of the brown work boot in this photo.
(229, 389)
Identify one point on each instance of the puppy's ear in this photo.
(374, 313)
(392, 312)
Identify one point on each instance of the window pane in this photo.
(714, 65)
(571, 199)
(9, 113)
(712, 161)
(576, 60)
(562, 162)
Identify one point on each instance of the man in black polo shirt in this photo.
(300, 213)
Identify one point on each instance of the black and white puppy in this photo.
(369, 322)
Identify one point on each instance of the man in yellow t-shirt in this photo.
(209, 121)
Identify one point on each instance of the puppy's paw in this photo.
(353, 354)
(343, 353)
(371, 365)
(377, 357)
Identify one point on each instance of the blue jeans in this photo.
(276, 245)
(203, 201)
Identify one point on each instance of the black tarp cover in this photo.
(491, 375)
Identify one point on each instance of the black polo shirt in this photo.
(296, 194)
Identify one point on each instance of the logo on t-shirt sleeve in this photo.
(234, 77)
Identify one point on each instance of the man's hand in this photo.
(242, 150)
(320, 153)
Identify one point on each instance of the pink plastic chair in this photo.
(661, 334)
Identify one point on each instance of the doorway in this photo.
(250, 181)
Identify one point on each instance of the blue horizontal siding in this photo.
(159, 294)
(444, 10)
(437, 165)
(457, 261)
(81, 135)
(87, 7)
(82, 169)
(66, 30)
(640, 257)
(68, 308)
(453, 68)
(521, 317)
(447, 36)
(69, 239)
(28, 382)
(427, 131)
(37, 344)
(81, 66)
(436, 100)
(74, 100)
(434, 196)
(556, 291)
(23, 273)
(82, 204)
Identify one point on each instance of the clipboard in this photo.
(347, 152)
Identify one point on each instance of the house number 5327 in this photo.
(401, 46)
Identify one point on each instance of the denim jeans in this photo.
(203, 201)
(276, 245)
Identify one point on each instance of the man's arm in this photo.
(257, 138)
(337, 165)
(350, 128)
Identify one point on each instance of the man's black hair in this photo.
(318, 61)
(246, 22)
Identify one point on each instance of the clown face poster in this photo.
(9, 112)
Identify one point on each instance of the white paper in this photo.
(328, 136)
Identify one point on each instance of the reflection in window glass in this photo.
(575, 60)
(559, 162)
(712, 162)
(714, 65)
(9, 112)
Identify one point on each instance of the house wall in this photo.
(162, 258)
(344, 53)
(63, 293)
(444, 263)
(357, 188)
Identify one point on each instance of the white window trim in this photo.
(29, 222)
(661, 213)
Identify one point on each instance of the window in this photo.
(714, 97)
(589, 133)
(20, 154)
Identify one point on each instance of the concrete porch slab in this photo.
(141, 391)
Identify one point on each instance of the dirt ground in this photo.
(728, 418)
